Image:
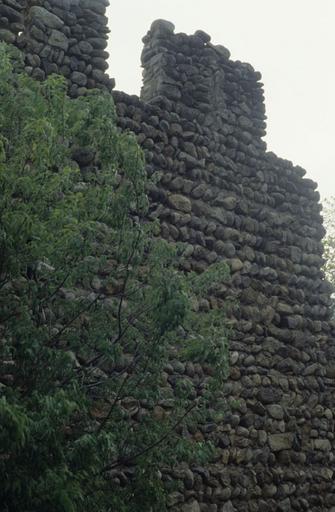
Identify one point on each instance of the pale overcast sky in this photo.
(291, 42)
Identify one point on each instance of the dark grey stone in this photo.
(45, 17)
(58, 39)
(7, 36)
(79, 78)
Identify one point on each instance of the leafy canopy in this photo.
(329, 240)
(95, 316)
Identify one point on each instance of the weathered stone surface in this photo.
(269, 395)
(228, 507)
(203, 36)
(162, 26)
(66, 37)
(85, 47)
(285, 505)
(47, 18)
(180, 202)
(13, 15)
(98, 43)
(7, 36)
(235, 265)
(322, 444)
(66, 4)
(222, 51)
(229, 202)
(58, 39)
(191, 507)
(79, 78)
(280, 442)
(276, 411)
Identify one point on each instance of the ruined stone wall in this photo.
(200, 121)
(68, 37)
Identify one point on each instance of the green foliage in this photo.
(329, 246)
(329, 240)
(93, 309)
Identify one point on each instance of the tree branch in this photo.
(66, 326)
(127, 460)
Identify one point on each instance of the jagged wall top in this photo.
(200, 122)
(60, 36)
(202, 78)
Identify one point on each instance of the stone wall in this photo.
(60, 36)
(200, 121)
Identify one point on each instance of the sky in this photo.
(291, 42)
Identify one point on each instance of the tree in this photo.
(93, 308)
(329, 245)
(329, 240)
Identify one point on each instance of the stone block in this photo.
(279, 442)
